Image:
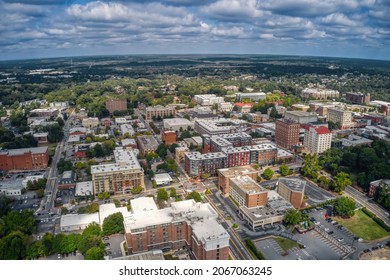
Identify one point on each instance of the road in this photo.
(368, 203)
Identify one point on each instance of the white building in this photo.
(84, 188)
(162, 179)
(317, 139)
(90, 122)
(208, 99)
(301, 116)
(120, 121)
(76, 222)
(344, 118)
(176, 124)
(225, 107)
(255, 96)
(127, 128)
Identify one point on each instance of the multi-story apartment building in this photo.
(344, 118)
(197, 164)
(159, 111)
(255, 96)
(208, 99)
(147, 143)
(180, 153)
(225, 107)
(237, 156)
(225, 174)
(45, 112)
(317, 139)
(246, 192)
(218, 127)
(119, 177)
(292, 190)
(168, 137)
(263, 154)
(24, 159)
(113, 105)
(286, 133)
(186, 223)
(320, 93)
(358, 98)
(301, 116)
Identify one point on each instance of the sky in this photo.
(60, 28)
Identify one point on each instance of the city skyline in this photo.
(49, 28)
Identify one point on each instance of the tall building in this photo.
(286, 133)
(301, 116)
(196, 164)
(119, 177)
(317, 139)
(24, 159)
(225, 174)
(358, 98)
(185, 224)
(159, 111)
(113, 105)
(292, 190)
(246, 192)
(344, 118)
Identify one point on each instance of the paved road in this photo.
(368, 203)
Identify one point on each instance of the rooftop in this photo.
(239, 170)
(143, 204)
(247, 184)
(79, 219)
(199, 156)
(84, 188)
(16, 152)
(125, 161)
(322, 130)
(293, 184)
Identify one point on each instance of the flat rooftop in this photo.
(199, 156)
(295, 185)
(84, 188)
(239, 170)
(125, 161)
(247, 184)
(143, 204)
(16, 152)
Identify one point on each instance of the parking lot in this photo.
(113, 245)
(272, 251)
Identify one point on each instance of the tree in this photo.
(113, 224)
(60, 122)
(2, 228)
(268, 173)
(64, 211)
(284, 170)
(4, 207)
(382, 195)
(205, 176)
(40, 193)
(93, 229)
(64, 165)
(173, 147)
(136, 190)
(293, 217)
(340, 182)
(47, 241)
(172, 192)
(36, 250)
(13, 246)
(344, 207)
(162, 150)
(20, 221)
(195, 196)
(94, 253)
(333, 126)
(323, 182)
(162, 194)
(311, 166)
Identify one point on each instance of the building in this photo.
(358, 98)
(90, 122)
(41, 137)
(119, 121)
(225, 107)
(225, 174)
(236, 156)
(129, 143)
(168, 137)
(159, 111)
(246, 192)
(301, 107)
(78, 131)
(77, 222)
(147, 144)
(243, 108)
(197, 164)
(178, 124)
(162, 179)
(24, 159)
(67, 181)
(340, 116)
(292, 190)
(119, 177)
(301, 117)
(180, 153)
(184, 224)
(354, 140)
(319, 93)
(257, 117)
(113, 105)
(263, 154)
(317, 139)
(127, 129)
(286, 133)
(218, 127)
(45, 112)
(374, 186)
(254, 96)
(83, 189)
(208, 99)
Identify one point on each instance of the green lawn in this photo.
(363, 226)
(285, 244)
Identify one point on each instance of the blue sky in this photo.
(51, 28)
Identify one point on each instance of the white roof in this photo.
(143, 204)
(125, 160)
(84, 188)
(162, 177)
(106, 210)
(79, 219)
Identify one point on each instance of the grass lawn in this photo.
(363, 226)
(286, 244)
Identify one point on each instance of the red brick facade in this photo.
(113, 105)
(168, 137)
(26, 160)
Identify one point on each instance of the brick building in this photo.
(375, 184)
(159, 111)
(113, 105)
(246, 192)
(286, 133)
(24, 159)
(168, 137)
(358, 98)
(184, 224)
(292, 190)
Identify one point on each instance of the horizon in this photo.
(39, 29)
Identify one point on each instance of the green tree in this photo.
(344, 207)
(162, 194)
(268, 173)
(94, 253)
(172, 192)
(64, 211)
(340, 182)
(310, 166)
(93, 229)
(4, 205)
(162, 150)
(205, 176)
(323, 182)
(113, 224)
(20, 221)
(13, 246)
(382, 194)
(293, 217)
(2, 228)
(47, 241)
(195, 196)
(136, 190)
(36, 250)
(284, 170)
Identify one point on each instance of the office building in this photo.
(159, 111)
(113, 105)
(218, 127)
(358, 98)
(225, 107)
(208, 99)
(24, 159)
(196, 164)
(292, 190)
(127, 129)
(254, 96)
(225, 174)
(317, 139)
(340, 116)
(147, 143)
(178, 124)
(286, 133)
(168, 137)
(301, 117)
(119, 177)
(247, 192)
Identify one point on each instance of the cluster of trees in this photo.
(268, 173)
(64, 165)
(344, 207)
(113, 224)
(101, 150)
(169, 165)
(89, 209)
(35, 185)
(195, 196)
(294, 217)
(382, 195)
(8, 140)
